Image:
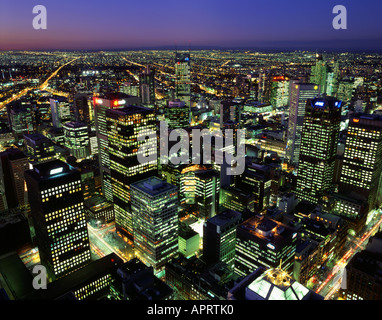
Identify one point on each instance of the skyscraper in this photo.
(124, 126)
(77, 139)
(56, 200)
(319, 139)
(219, 237)
(319, 73)
(299, 94)
(263, 242)
(82, 109)
(177, 114)
(362, 162)
(101, 104)
(154, 205)
(183, 77)
(147, 86)
(39, 148)
(13, 164)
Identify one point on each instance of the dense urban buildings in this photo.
(300, 222)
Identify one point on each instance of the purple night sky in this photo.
(121, 24)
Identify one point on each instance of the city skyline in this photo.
(75, 25)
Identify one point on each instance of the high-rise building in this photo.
(39, 148)
(82, 108)
(219, 237)
(264, 242)
(77, 139)
(319, 73)
(319, 139)
(13, 190)
(60, 111)
(280, 91)
(124, 126)
(177, 114)
(57, 206)
(154, 205)
(20, 119)
(183, 77)
(101, 104)
(256, 179)
(147, 86)
(362, 160)
(299, 95)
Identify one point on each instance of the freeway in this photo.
(41, 87)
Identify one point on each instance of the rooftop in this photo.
(153, 186)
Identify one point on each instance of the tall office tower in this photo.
(257, 180)
(147, 86)
(319, 73)
(20, 119)
(280, 92)
(362, 162)
(13, 164)
(264, 87)
(332, 81)
(154, 205)
(219, 238)
(101, 104)
(229, 111)
(207, 187)
(124, 126)
(261, 241)
(60, 111)
(82, 108)
(39, 148)
(57, 205)
(319, 139)
(77, 139)
(183, 77)
(299, 95)
(177, 114)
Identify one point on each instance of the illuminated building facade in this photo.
(56, 201)
(13, 163)
(264, 242)
(256, 178)
(101, 104)
(299, 95)
(319, 139)
(219, 238)
(177, 114)
(280, 92)
(362, 160)
(147, 86)
(124, 126)
(77, 139)
(154, 205)
(39, 148)
(183, 77)
(60, 111)
(82, 108)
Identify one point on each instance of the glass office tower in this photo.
(319, 139)
(154, 205)
(123, 127)
(57, 206)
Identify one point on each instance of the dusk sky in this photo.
(278, 24)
